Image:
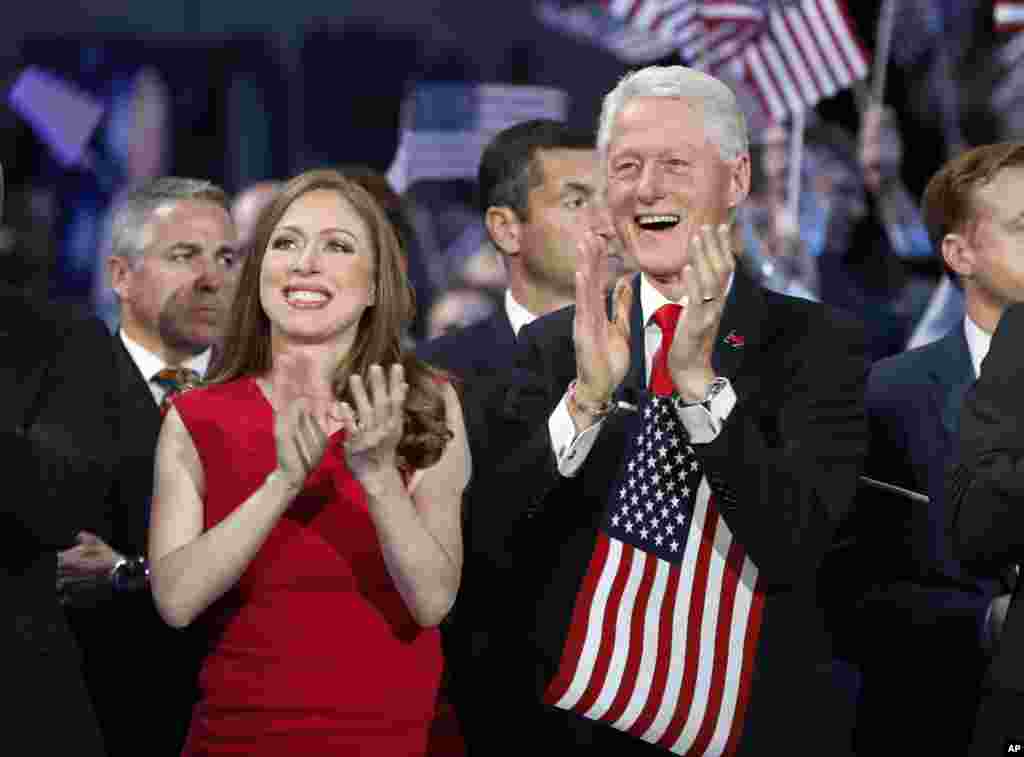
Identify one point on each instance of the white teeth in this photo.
(303, 295)
(670, 219)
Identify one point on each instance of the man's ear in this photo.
(739, 181)
(959, 254)
(120, 270)
(505, 229)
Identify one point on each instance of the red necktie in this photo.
(667, 316)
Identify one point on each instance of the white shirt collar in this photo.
(518, 316)
(651, 299)
(149, 363)
(978, 342)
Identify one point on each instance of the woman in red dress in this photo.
(307, 501)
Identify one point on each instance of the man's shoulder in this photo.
(553, 325)
(795, 315)
(463, 351)
(911, 368)
(42, 322)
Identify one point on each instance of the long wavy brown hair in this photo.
(379, 336)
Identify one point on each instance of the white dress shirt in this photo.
(978, 342)
(518, 315)
(702, 423)
(150, 364)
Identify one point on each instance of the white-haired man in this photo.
(172, 266)
(677, 471)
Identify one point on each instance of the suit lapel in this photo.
(136, 395)
(740, 327)
(952, 373)
(501, 329)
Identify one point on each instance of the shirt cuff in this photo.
(571, 449)
(986, 628)
(704, 422)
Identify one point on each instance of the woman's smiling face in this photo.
(318, 272)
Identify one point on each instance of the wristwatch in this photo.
(715, 388)
(129, 573)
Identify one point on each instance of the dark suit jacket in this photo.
(987, 494)
(476, 351)
(59, 420)
(916, 604)
(783, 471)
(123, 632)
(478, 357)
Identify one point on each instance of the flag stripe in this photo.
(705, 688)
(782, 68)
(749, 650)
(694, 626)
(1008, 17)
(819, 28)
(645, 616)
(841, 29)
(590, 602)
(761, 84)
(648, 702)
(739, 665)
(722, 644)
(766, 84)
(606, 642)
(690, 584)
(796, 58)
(811, 46)
(624, 637)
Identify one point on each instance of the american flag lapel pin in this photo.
(734, 340)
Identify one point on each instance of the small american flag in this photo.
(794, 53)
(666, 622)
(1008, 17)
(447, 125)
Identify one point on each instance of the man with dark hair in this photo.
(537, 189)
(538, 195)
(926, 626)
(172, 266)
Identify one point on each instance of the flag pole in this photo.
(796, 154)
(883, 41)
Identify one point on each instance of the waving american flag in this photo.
(1008, 16)
(667, 618)
(793, 53)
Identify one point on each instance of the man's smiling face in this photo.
(666, 179)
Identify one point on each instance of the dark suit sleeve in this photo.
(517, 420)
(785, 476)
(987, 489)
(917, 590)
(59, 460)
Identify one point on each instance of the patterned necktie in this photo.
(667, 316)
(174, 381)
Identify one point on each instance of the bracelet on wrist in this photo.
(594, 410)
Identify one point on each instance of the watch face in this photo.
(129, 574)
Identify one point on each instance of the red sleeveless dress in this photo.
(313, 652)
